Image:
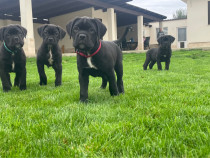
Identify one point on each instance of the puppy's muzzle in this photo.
(17, 42)
(82, 36)
(16, 39)
(50, 39)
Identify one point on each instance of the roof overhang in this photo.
(45, 9)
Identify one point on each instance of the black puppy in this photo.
(95, 57)
(12, 56)
(161, 54)
(49, 52)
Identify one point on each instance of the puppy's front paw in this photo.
(22, 87)
(57, 84)
(6, 89)
(41, 83)
(144, 68)
(85, 101)
(103, 87)
(114, 93)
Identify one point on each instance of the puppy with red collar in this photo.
(95, 57)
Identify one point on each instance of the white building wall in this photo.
(198, 28)
(104, 16)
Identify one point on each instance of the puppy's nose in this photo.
(50, 39)
(82, 36)
(16, 39)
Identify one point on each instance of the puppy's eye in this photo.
(76, 29)
(91, 30)
(56, 33)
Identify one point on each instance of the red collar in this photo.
(87, 56)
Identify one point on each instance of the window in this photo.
(209, 12)
(182, 34)
(165, 30)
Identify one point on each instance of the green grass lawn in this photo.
(161, 114)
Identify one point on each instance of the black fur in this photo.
(15, 61)
(160, 54)
(86, 33)
(51, 35)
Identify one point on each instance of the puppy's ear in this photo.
(171, 39)
(41, 29)
(62, 32)
(70, 26)
(2, 33)
(101, 28)
(24, 31)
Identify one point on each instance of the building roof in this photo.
(45, 9)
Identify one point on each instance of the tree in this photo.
(180, 14)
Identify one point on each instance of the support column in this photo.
(27, 22)
(111, 24)
(115, 25)
(140, 26)
(161, 25)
